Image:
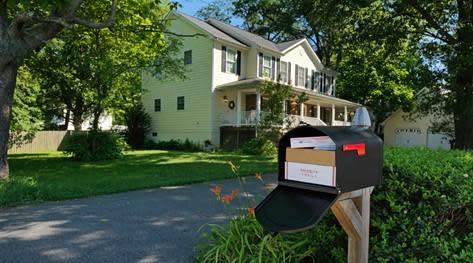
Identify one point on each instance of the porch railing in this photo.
(249, 118)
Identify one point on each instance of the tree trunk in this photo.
(463, 81)
(463, 109)
(8, 73)
(77, 122)
(67, 119)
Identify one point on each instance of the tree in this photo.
(24, 27)
(138, 123)
(105, 74)
(218, 9)
(27, 117)
(446, 28)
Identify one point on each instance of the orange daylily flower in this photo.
(216, 190)
(251, 211)
(234, 193)
(259, 176)
(227, 199)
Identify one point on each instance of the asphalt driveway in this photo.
(158, 225)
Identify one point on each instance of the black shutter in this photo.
(273, 68)
(238, 69)
(260, 66)
(289, 66)
(224, 59)
(278, 71)
(325, 83)
(312, 79)
(296, 76)
(306, 81)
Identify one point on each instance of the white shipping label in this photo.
(311, 173)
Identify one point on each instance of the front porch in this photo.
(243, 108)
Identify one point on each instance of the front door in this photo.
(250, 102)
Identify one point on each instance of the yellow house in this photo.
(219, 100)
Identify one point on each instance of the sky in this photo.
(190, 7)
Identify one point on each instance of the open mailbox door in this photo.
(287, 209)
(311, 180)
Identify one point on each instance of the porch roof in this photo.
(254, 82)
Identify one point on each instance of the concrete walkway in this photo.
(158, 225)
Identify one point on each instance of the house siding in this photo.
(401, 120)
(299, 56)
(195, 121)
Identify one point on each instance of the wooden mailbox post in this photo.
(352, 211)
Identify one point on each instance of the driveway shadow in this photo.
(158, 225)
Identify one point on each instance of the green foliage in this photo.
(90, 72)
(26, 114)
(217, 9)
(244, 240)
(422, 212)
(273, 118)
(375, 77)
(138, 124)
(178, 145)
(260, 146)
(94, 146)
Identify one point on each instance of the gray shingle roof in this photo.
(246, 37)
(211, 29)
(284, 45)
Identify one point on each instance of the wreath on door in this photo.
(231, 105)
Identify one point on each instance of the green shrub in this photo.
(260, 146)
(94, 146)
(244, 240)
(422, 212)
(176, 145)
(138, 124)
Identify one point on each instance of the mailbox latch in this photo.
(358, 147)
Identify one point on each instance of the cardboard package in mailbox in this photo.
(311, 166)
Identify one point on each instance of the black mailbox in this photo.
(355, 162)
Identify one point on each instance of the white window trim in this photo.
(227, 60)
(286, 71)
(270, 67)
(304, 79)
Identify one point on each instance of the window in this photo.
(267, 66)
(180, 103)
(301, 77)
(157, 105)
(283, 72)
(231, 61)
(187, 57)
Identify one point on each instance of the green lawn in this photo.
(52, 176)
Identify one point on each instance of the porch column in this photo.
(333, 114)
(258, 105)
(318, 111)
(345, 114)
(238, 109)
(302, 110)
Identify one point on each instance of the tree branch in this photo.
(111, 19)
(432, 22)
(3, 15)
